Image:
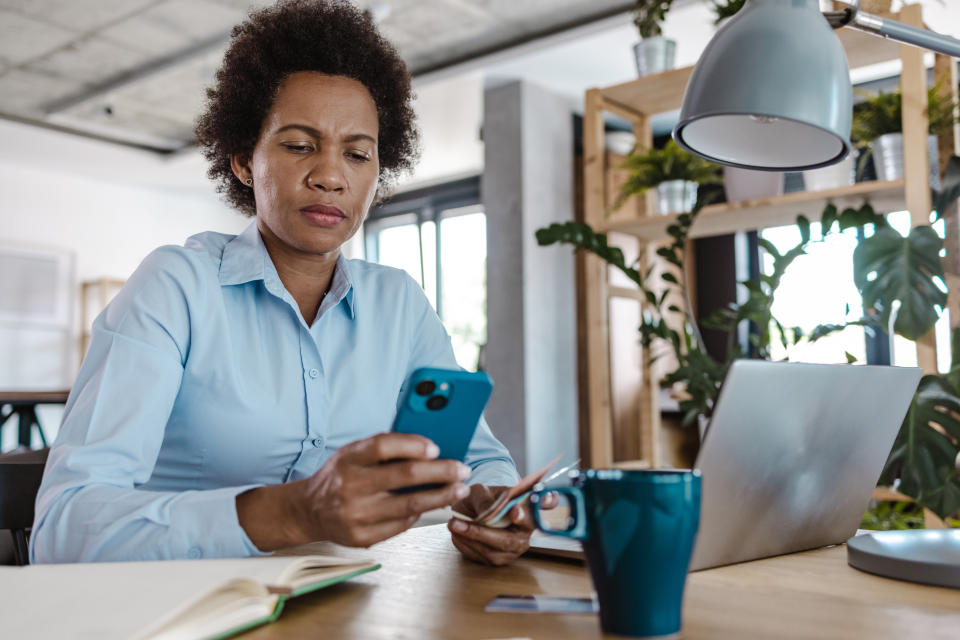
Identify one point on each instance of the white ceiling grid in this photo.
(134, 71)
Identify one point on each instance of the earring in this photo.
(248, 182)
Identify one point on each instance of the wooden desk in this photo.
(23, 404)
(426, 590)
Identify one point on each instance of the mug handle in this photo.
(577, 528)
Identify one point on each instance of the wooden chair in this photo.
(20, 475)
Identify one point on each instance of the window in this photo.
(818, 288)
(439, 237)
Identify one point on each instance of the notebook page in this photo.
(114, 600)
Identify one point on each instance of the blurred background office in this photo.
(98, 167)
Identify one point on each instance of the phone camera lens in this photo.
(425, 387)
(436, 403)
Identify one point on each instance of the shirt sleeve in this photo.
(89, 507)
(487, 457)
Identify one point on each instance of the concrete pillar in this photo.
(531, 314)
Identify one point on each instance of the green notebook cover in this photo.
(282, 598)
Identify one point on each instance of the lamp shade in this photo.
(771, 91)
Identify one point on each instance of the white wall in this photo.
(449, 113)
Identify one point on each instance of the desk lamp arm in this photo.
(898, 31)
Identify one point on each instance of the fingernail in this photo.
(459, 526)
(432, 450)
(463, 471)
(518, 514)
(463, 491)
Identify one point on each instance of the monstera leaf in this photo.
(925, 452)
(889, 267)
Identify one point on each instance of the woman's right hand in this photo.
(349, 500)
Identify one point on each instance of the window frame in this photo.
(427, 204)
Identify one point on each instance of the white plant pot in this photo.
(621, 142)
(746, 184)
(888, 158)
(676, 196)
(835, 176)
(654, 55)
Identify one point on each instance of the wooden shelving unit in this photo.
(622, 392)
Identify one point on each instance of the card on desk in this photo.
(530, 603)
(160, 600)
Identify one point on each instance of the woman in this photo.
(235, 392)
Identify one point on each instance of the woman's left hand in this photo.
(487, 545)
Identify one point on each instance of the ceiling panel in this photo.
(89, 60)
(243, 5)
(129, 119)
(172, 25)
(76, 15)
(23, 38)
(537, 14)
(25, 93)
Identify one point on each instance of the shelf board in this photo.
(747, 215)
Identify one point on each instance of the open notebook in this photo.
(166, 600)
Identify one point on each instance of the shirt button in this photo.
(313, 373)
(195, 553)
(318, 442)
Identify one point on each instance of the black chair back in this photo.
(20, 476)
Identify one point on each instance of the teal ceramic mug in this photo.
(637, 530)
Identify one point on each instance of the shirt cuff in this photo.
(217, 532)
(494, 473)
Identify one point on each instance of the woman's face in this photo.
(315, 165)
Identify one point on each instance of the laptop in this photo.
(790, 458)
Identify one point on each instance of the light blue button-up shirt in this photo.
(203, 381)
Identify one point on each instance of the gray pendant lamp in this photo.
(772, 89)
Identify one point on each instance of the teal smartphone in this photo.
(444, 405)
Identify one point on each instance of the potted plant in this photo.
(674, 172)
(878, 130)
(654, 53)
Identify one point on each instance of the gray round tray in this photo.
(929, 556)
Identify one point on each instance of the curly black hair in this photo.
(328, 36)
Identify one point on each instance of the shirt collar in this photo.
(245, 259)
(341, 287)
